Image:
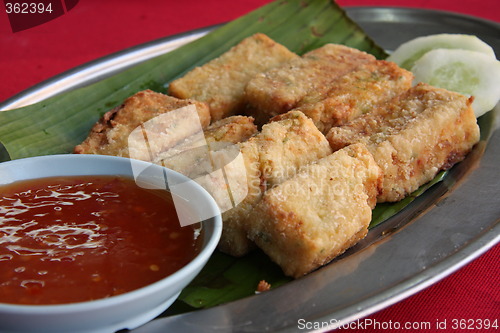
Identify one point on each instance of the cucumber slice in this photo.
(467, 72)
(407, 53)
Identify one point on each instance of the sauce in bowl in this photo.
(80, 238)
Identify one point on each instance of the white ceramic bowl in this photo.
(128, 310)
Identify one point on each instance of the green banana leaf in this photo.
(57, 124)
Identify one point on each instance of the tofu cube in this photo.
(308, 220)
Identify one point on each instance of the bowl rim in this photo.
(208, 246)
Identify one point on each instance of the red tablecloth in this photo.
(95, 28)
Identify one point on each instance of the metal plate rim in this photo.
(219, 315)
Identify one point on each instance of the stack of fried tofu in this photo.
(318, 139)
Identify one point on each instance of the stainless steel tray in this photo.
(437, 234)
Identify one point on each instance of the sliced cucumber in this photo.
(407, 53)
(467, 72)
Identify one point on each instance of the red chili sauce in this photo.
(81, 238)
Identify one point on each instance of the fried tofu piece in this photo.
(114, 133)
(221, 82)
(281, 89)
(232, 129)
(234, 240)
(227, 178)
(308, 220)
(212, 159)
(413, 137)
(355, 93)
(272, 156)
(192, 156)
(288, 143)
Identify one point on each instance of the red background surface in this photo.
(96, 28)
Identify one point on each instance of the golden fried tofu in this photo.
(281, 88)
(272, 156)
(289, 142)
(234, 240)
(212, 159)
(221, 82)
(413, 137)
(232, 129)
(120, 128)
(192, 156)
(306, 221)
(227, 177)
(355, 93)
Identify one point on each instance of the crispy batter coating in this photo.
(272, 156)
(308, 220)
(221, 82)
(355, 93)
(111, 134)
(280, 89)
(212, 159)
(234, 240)
(284, 189)
(192, 156)
(288, 143)
(413, 137)
(263, 286)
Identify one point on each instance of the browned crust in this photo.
(192, 157)
(281, 89)
(263, 286)
(356, 93)
(110, 134)
(221, 82)
(413, 137)
(313, 217)
(272, 156)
